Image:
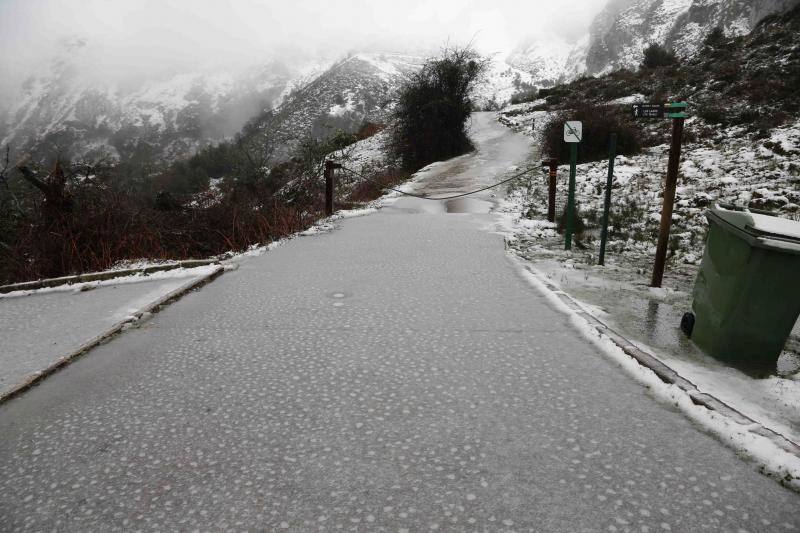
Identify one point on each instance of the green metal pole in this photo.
(573, 162)
(612, 153)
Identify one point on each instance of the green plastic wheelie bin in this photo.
(747, 293)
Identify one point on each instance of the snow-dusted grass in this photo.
(719, 166)
(365, 156)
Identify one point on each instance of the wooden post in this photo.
(552, 165)
(551, 205)
(329, 166)
(612, 153)
(570, 226)
(669, 201)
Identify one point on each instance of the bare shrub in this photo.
(599, 122)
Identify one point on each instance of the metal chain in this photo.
(423, 197)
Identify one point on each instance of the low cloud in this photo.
(132, 38)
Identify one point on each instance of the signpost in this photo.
(573, 134)
(552, 165)
(330, 166)
(612, 153)
(676, 112)
(648, 110)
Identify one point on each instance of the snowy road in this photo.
(395, 374)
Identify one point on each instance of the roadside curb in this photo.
(101, 276)
(114, 330)
(664, 372)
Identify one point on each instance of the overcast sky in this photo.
(137, 34)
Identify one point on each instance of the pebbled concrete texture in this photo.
(395, 374)
(44, 330)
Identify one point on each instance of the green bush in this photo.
(433, 107)
(713, 115)
(656, 56)
(715, 38)
(528, 95)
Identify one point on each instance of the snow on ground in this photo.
(727, 166)
(525, 119)
(773, 460)
(550, 57)
(720, 166)
(625, 100)
(501, 82)
(365, 156)
(162, 275)
(619, 297)
(41, 327)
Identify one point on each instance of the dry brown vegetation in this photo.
(71, 218)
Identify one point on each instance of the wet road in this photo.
(395, 374)
(40, 328)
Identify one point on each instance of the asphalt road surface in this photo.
(394, 374)
(39, 329)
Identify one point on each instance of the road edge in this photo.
(102, 276)
(108, 334)
(595, 330)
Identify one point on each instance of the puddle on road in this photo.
(454, 206)
(656, 323)
(467, 205)
(417, 205)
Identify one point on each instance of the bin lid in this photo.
(759, 230)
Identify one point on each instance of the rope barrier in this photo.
(423, 197)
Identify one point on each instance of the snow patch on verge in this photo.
(771, 459)
(176, 273)
(324, 225)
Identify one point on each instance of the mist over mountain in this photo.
(96, 97)
(170, 113)
(624, 28)
(621, 31)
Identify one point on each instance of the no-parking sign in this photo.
(573, 131)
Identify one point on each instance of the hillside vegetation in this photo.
(61, 217)
(749, 81)
(741, 145)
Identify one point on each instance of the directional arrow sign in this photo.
(667, 110)
(573, 131)
(649, 110)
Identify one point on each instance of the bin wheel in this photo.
(687, 324)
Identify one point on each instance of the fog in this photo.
(134, 38)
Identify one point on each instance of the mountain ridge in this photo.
(621, 31)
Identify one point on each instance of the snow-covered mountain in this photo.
(357, 89)
(622, 31)
(550, 59)
(500, 83)
(62, 110)
(362, 88)
(624, 28)
(169, 116)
